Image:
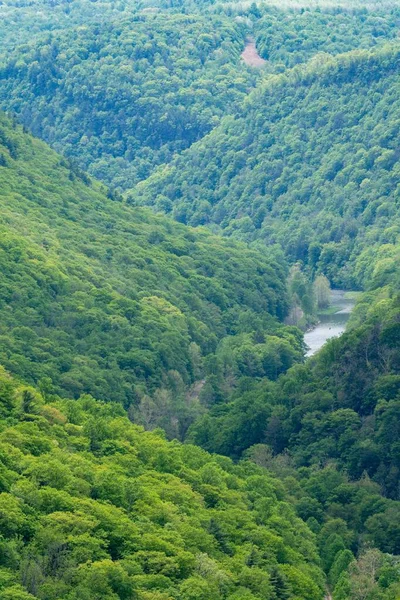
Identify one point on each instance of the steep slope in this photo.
(121, 89)
(286, 38)
(124, 96)
(92, 507)
(330, 428)
(111, 300)
(311, 163)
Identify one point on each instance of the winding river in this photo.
(330, 325)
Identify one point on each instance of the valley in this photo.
(199, 300)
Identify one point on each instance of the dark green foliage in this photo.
(311, 162)
(124, 96)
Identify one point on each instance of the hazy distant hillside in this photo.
(123, 97)
(22, 19)
(123, 88)
(286, 38)
(311, 162)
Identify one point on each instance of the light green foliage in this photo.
(102, 298)
(303, 297)
(374, 575)
(137, 517)
(322, 291)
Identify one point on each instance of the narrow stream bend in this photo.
(330, 325)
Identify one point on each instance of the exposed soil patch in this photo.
(251, 56)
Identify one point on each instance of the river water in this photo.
(330, 325)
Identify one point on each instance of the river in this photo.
(330, 325)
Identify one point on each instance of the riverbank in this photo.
(332, 321)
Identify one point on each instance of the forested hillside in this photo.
(22, 19)
(123, 89)
(123, 96)
(110, 300)
(331, 426)
(286, 38)
(121, 329)
(311, 162)
(92, 507)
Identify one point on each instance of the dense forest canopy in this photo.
(121, 329)
(122, 88)
(311, 162)
(330, 428)
(124, 96)
(21, 19)
(287, 38)
(92, 507)
(111, 300)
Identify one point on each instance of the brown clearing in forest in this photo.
(251, 56)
